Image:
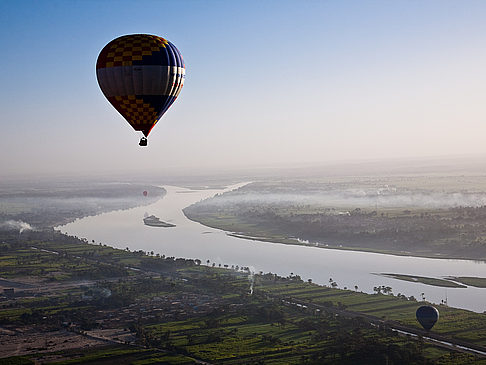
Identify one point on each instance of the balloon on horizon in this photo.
(141, 75)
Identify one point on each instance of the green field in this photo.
(456, 323)
(232, 328)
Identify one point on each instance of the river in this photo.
(125, 228)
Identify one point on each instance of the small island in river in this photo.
(153, 221)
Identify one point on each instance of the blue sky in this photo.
(269, 83)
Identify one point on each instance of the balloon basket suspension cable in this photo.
(143, 141)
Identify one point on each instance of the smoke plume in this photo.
(251, 278)
(11, 224)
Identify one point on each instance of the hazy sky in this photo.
(268, 83)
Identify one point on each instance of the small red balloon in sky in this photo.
(145, 193)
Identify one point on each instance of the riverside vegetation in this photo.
(388, 215)
(135, 307)
(73, 301)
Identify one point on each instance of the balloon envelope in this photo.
(427, 316)
(145, 193)
(141, 75)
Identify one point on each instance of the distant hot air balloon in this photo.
(427, 316)
(141, 75)
(145, 193)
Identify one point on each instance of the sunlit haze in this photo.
(272, 83)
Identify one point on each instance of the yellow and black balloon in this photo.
(141, 75)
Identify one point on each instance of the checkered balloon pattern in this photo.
(141, 75)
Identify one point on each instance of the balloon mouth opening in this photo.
(147, 131)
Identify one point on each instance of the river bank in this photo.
(407, 222)
(304, 243)
(348, 268)
(139, 300)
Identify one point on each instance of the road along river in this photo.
(125, 228)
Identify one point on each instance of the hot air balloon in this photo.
(427, 316)
(145, 193)
(141, 75)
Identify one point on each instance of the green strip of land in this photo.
(471, 281)
(426, 280)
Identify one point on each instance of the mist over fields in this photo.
(14, 225)
(378, 192)
(27, 205)
(385, 197)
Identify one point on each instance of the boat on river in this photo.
(154, 221)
